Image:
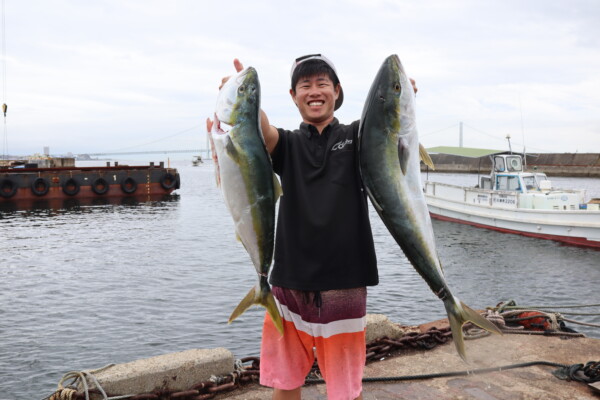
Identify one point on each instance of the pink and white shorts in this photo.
(333, 322)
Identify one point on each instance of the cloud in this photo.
(86, 77)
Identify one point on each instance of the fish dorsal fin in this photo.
(277, 187)
(425, 157)
(403, 154)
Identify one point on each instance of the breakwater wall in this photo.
(553, 164)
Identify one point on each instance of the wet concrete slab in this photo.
(535, 382)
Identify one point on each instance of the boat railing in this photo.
(477, 196)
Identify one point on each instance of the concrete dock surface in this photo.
(535, 382)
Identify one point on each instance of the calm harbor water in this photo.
(86, 286)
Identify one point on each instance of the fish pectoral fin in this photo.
(425, 157)
(277, 187)
(403, 154)
(232, 150)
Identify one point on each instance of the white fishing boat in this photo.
(514, 201)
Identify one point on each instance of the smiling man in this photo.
(324, 253)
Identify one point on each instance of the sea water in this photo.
(85, 286)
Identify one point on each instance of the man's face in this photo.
(315, 97)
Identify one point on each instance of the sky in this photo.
(143, 75)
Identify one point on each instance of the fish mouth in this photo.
(241, 77)
(219, 127)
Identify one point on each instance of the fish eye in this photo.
(397, 87)
(241, 89)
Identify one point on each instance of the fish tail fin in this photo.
(263, 298)
(245, 304)
(273, 311)
(458, 314)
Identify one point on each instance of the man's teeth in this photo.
(315, 103)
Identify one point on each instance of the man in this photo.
(324, 254)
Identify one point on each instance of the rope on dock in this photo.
(70, 392)
(510, 308)
(588, 373)
(512, 305)
(452, 373)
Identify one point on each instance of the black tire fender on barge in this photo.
(40, 186)
(71, 187)
(100, 186)
(129, 185)
(168, 181)
(8, 188)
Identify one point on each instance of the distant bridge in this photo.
(204, 152)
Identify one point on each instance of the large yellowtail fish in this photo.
(245, 175)
(389, 154)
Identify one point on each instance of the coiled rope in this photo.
(512, 305)
(69, 392)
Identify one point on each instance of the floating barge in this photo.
(27, 184)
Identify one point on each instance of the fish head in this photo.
(391, 97)
(238, 98)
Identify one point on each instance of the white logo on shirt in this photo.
(341, 144)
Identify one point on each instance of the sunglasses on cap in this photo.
(321, 57)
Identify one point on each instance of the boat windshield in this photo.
(499, 164)
(540, 177)
(507, 182)
(530, 183)
(514, 163)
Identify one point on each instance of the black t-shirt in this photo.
(324, 239)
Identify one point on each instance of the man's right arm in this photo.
(270, 133)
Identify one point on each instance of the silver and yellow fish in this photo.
(389, 154)
(245, 175)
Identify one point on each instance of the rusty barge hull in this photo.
(26, 185)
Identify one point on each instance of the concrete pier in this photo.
(181, 371)
(173, 372)
(531, 383)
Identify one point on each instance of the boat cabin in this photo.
(531, 189)
(508, 175)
